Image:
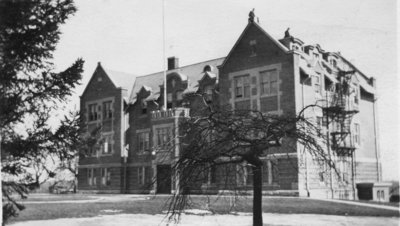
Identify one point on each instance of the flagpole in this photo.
(164, 68)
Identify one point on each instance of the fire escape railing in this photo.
(339, 109)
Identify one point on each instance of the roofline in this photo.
(358, 70)
(91, 78)
(188, 65)
(105, 71)
(241, 36)
(155, 73)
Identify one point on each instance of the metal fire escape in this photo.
(339, 110)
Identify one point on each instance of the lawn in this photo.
(157, 204)
(56, 197)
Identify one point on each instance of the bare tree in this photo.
(221, 138)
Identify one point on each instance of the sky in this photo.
(126, 36)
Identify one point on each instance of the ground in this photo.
(60, 210)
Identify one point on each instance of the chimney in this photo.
(173, 63)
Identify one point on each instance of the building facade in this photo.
(261, 73)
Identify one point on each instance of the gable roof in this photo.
(193, 72)
(121, 79)
(277, 43)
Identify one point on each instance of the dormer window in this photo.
(144, 107)
(179, 95)
(169, 100)
(317, 83)
(253, 47)
(207, 68)
(208, 91)
(333, 63)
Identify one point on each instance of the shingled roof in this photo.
(193, 72)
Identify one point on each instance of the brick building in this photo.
(272, 76)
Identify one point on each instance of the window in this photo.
(107, 145)
(208, 92)
(249, 175)
(91, 177)
(92, 151)
(356, 95)
(333, 63)
(213, 174)
(107, 112)
(270, 172)
(143, 141)
(179, 95)
(92, 112)
(169, 100)
(253, 47)
(357, 133)
(143, 104)
(242, 86)
(105, 176)
(319, 122)
(163, 136)
(141, 175)
(322, 168)
(317, 83)
(343, 169)
(269, 82)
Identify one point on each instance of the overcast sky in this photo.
(126, 35)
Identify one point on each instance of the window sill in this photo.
(241, 98)
(268, 95)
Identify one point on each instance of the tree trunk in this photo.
(257, 195)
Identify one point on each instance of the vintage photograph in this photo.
(225, 113)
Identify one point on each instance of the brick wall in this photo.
(99, 90)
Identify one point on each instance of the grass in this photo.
(59, 197)
(220, 205)
(393, 204)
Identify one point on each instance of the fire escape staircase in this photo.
(340, 110)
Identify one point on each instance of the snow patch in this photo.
(198, 212)
(193, 212)
(111, 211)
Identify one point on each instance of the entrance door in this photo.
(163, 179)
